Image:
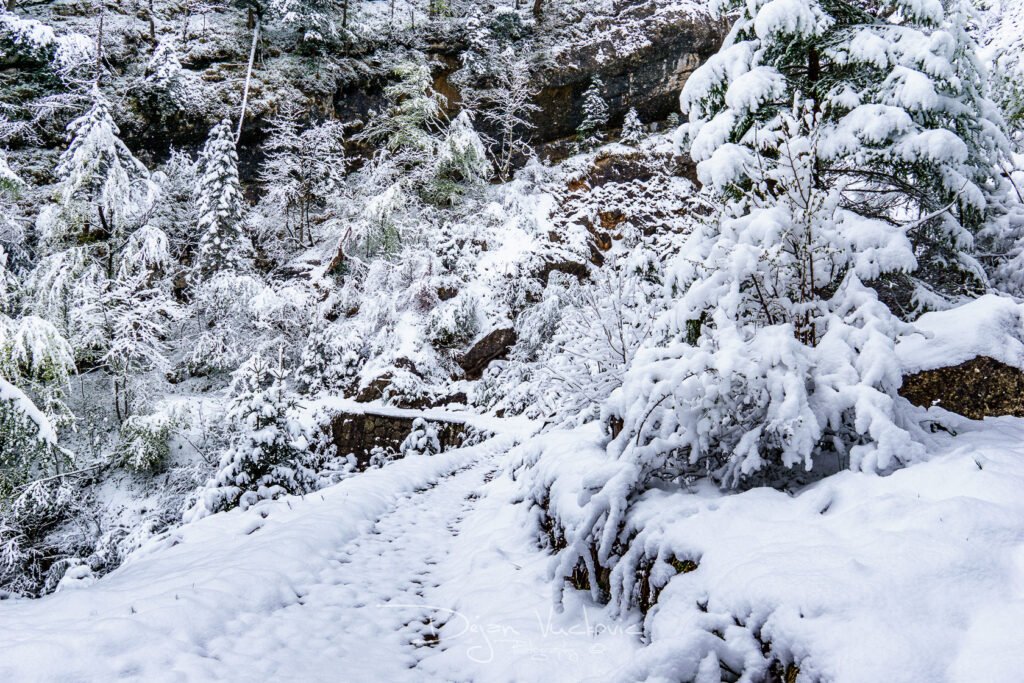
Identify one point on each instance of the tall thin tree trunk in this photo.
(248, 78)
(152, 24)
(99, 48)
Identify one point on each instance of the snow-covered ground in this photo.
(425, 570)
(417, 571)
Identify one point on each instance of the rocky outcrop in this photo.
(360, 433)
(493, 345)
(647, 74)
(981, 387)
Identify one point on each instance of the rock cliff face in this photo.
(648, 76)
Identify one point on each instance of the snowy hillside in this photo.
(432, 340)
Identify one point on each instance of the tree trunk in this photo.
(538, 9)
(152, 24)
(344, 13)
(99, 49)
(248, 78)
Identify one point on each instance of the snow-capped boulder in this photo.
(969, 359)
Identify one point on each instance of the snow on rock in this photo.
(991, 326)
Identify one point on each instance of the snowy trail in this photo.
(435, 590)
(366, 616)
(420, 571)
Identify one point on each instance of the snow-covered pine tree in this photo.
(460, 164)
(316, 21)
(165, 85)
(908, 129)
(219, 197)
(35, 363)
(269, 452)
(422, 439)
(103, 188)
(590, 132)
(407, 128)
(164, 68)
(632, 128)
(104, 282)
(102, 194)
(11, 232)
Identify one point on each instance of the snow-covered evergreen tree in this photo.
(590, 132)
(219, 199)
(407, 128)
(35, 364)
(461, 162)
(164, 68)
(907, 129)
(632, 128)
(269, 452)
(103, 188)
(422, 439)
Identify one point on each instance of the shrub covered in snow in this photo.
(422, 440)
(145, 440)
(269, 455)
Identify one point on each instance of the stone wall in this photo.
(359, 433)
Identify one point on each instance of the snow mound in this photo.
(915, 576)
(991, 326)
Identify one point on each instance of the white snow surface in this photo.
(916, 576)
(426, 570)
(991, 326)
(417, 571)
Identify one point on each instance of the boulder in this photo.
(493, 345)
(360, 433)
(968, 360)
(978, 388)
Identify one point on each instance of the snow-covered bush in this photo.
(144, 444)
(26, 519)
(422, 439)
(269, 455)
(455, 322)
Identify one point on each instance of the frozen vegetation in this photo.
(387, 340)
